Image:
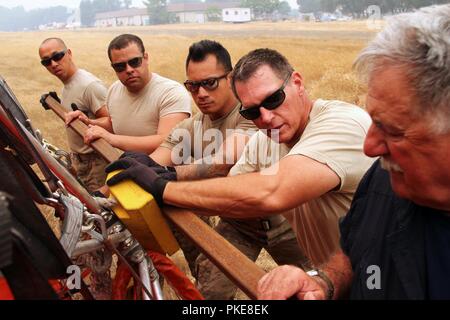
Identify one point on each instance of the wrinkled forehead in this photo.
(391, 88)
(262, 82)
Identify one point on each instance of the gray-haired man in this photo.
(395, 239)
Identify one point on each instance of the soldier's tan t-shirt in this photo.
(199, 137)
(334, 136)
(89, 94)
(138, 114)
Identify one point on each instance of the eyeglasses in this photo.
(122, 66)
(209, 84)
(55, 57)
(270, 103)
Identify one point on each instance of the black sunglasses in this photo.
(55, 57)
(271, 102)
(122, 66)
(207, 84)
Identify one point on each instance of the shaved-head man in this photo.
(88, 93)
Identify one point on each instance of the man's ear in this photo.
(145, 56)
(229, 79)
(297, 81)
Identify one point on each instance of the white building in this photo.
(196, 12)
(125, 17)
(236, 15)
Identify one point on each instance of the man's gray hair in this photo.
(252, 61)
(419, 42)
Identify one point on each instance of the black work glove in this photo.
(144, 176)
(45, 95)
(168, 173)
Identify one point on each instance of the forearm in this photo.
(233, 197)
(202, 171)
(145, 144)
(339, 271)
(104, 122)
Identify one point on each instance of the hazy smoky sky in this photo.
(33, 4)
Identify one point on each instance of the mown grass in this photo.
(324, 59)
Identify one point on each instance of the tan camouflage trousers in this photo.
(280, 242)
(90, 169)
(190, 251)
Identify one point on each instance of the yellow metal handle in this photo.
(138, 210)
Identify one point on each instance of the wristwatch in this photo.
(330, 287)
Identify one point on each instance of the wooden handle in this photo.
(108, 152)
(233, 263)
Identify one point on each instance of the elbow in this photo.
(271, 198)
(274, 204)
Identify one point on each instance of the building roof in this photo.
(121, 13)
(199, 6)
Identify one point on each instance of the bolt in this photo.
(128, 243)
(117, 228)
(138, 256)
(106, 216)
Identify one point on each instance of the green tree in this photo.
(261, 8)
(87, 13)
(213, 13)
(12, 19)
(185, 1)
(284, 8)
(17, 19)
(309, 5)
(157, 11)
(89, 8)
(127, 3)
(106, 5)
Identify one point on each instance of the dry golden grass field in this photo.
(322, 52)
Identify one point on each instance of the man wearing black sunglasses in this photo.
(305, 163)
(88, 93)
(143, 106)
(208, 68)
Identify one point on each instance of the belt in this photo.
(265, 224)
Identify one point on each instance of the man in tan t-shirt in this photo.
(213, 140)
(312, 184)
(143, 106)
(88, 93)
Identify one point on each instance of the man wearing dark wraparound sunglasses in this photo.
(271, 102)
(89, 94)
(309, 175)
(143, 106)
(208, 66)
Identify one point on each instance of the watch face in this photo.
(312, 273)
